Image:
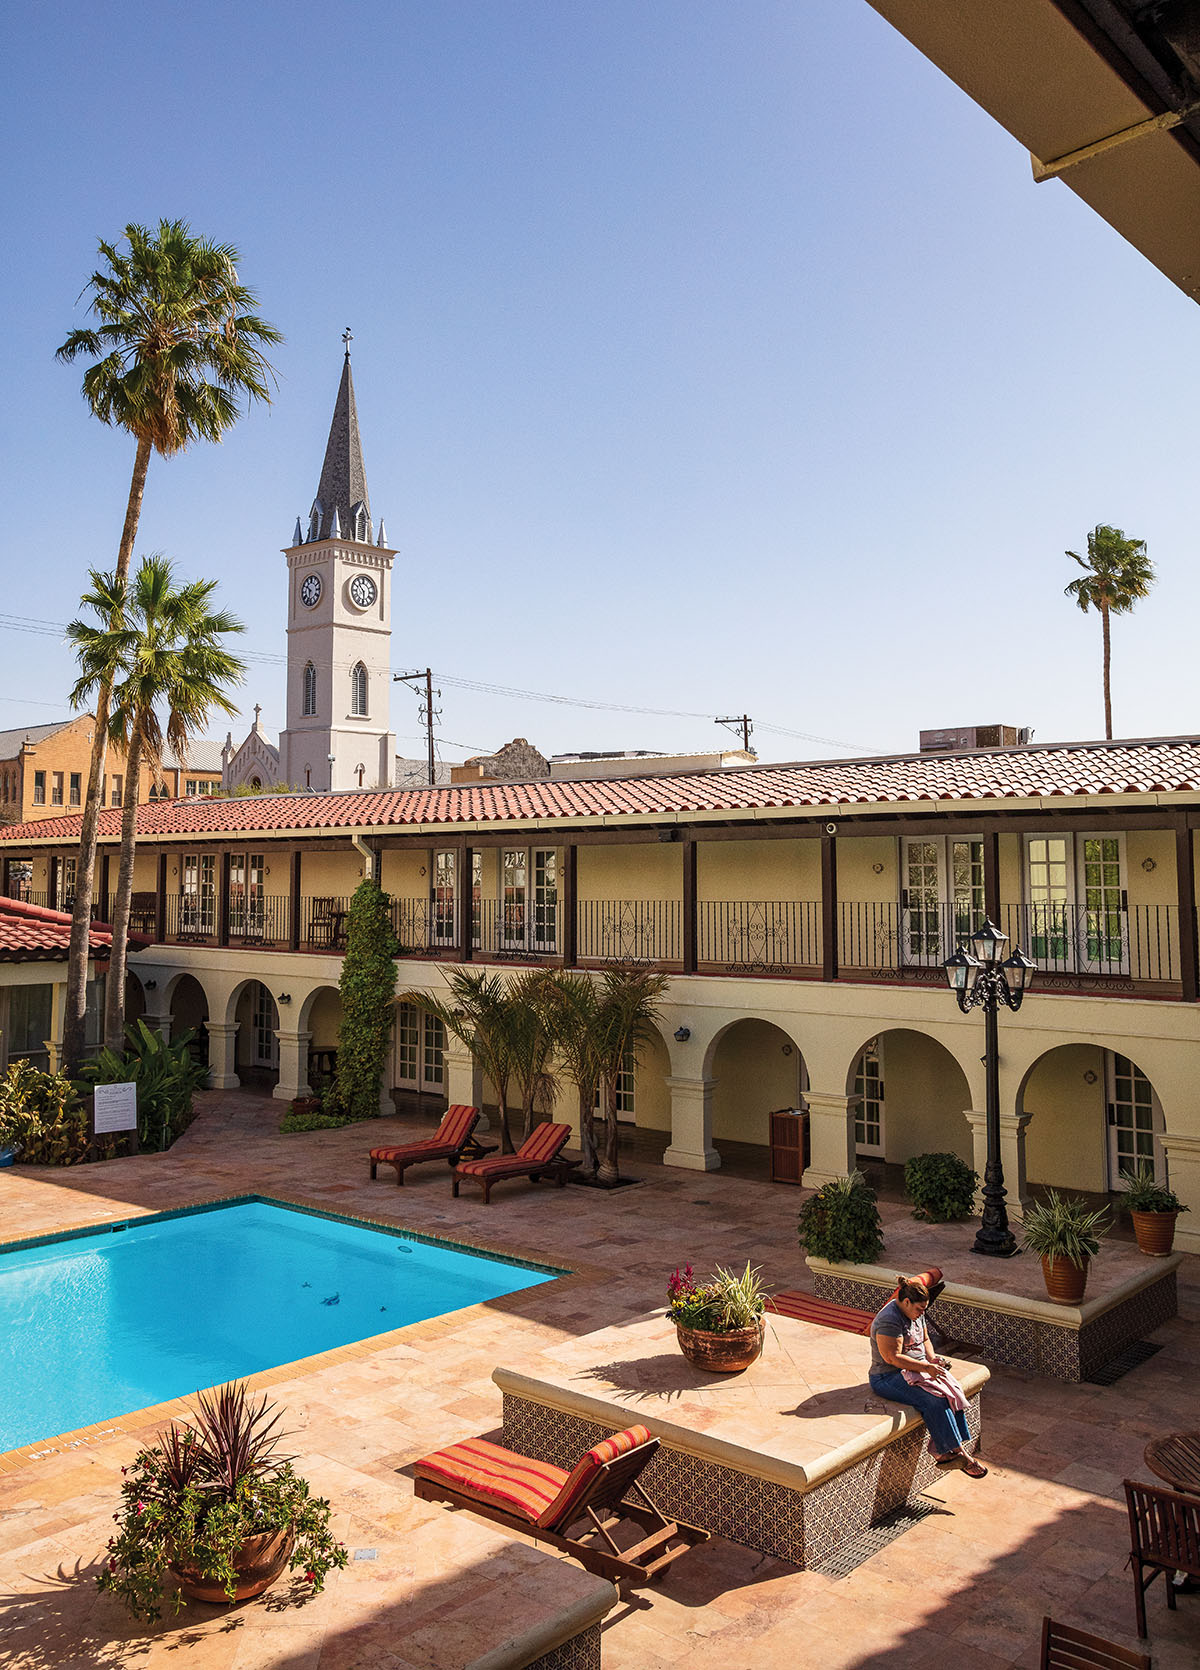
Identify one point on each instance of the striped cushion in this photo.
(570, 1498)
(537, 1150)
(457, 1124)
(489, 1473)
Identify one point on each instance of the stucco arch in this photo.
(780, 1024)
(316, 999)
(757, 1068)
(926, 1094)
(1065, 1093)
(187, 1004)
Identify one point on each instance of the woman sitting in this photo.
(905, 1369)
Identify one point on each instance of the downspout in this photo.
(369, 858)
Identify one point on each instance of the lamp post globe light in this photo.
(982, 981)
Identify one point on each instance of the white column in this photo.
(58, 1021)
(463, 1081)
(1183, 1176)
(158, 1022)
(691, 1125)
(222, 1055)
(293, 1065)
(830, 1137)
(1012, 1157)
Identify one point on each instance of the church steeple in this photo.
(342, 507)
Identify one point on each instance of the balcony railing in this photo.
(744, 936)
(630, 930)
(259, 921)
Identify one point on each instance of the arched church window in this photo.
(314, 520)
(310, 689)
(358, 691)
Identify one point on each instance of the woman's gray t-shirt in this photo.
(892, 1322)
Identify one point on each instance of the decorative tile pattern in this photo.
(581, 1652)
(1045, 1348)
(801, 1526)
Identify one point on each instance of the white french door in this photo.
(264, 1021)
(869, 1108)
(420, 1049)
(1135, 1122)
(942, 896)
(1077, 902)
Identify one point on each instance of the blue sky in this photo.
(709, 357)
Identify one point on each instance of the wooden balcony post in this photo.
(689, 904)
(52, 876)
(223, 903)
(1185, 877)
(294, 924)
(570, 906)
(991, 877)
(103, 911)
(829, 907)
(463, 892)
(160, 900)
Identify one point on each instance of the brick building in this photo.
(43, 771)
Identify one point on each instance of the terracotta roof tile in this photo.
(31, 933)
(1160, 766)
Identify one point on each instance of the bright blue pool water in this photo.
(96, 1325)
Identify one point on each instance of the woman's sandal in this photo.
(972, 1468)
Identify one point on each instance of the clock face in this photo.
(363, 591)
(310, 591)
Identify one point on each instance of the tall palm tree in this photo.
(176, 350)
(1117, 574)
(627, 1012)
(476, 1012)
(532, 1014)
(577, 1042)
(164, 652)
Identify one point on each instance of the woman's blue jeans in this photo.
(948, 1428)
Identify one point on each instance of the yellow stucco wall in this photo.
(404, 873)
(925, 1098)
(651, 871)
(754, 1077)
(1066, 1143)
(329, 874)
(324, 1017)
(758, 870)
(857, 857)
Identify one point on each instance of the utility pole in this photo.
(428, 713)
(740, 722)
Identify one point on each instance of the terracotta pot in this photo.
(1065, 1281)
(1155, 1232)
(259, 1562)
(728, 1353)
(306, 1104)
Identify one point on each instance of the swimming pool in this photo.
(97, 1323)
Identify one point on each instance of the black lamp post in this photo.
(982, 981)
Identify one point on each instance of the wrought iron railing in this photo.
(260, 921)
(758, 934)
(192, 918)
(323, 922)
(630, 930)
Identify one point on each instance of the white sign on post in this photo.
(115, 1108)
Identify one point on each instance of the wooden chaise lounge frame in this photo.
(600, 1504)
(446, 1143)
(537, 1154)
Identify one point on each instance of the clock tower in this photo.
(339, 676)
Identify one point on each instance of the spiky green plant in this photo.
(1063, 1226)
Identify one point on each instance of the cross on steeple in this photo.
(257, 711)
(347, 338)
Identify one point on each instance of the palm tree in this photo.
(476, 1012)
(176, 350)
(531, 1017)
(163, 652)
(1117, 574)
(627, 1012)
(577, 1040)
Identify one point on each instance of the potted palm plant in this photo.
(1153, 1209)
(1065, 1234)
(718, 1323)
(213, 1513)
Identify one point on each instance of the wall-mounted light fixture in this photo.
(285, 997)
(787, 1049)
(1089, 1077)
(682, 1034)
(1148, 865)
(878, 869)
(149, 985)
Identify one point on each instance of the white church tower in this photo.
(339, 677)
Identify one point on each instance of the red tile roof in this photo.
(1161, 766)
(31, 933)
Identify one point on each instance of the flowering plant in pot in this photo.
(1065, 1234)
(718, 1323)
(1153, 1209)
(214, 1513)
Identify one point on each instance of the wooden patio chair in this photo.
(1164, 1531)
(1064, 1648)
(537, 1154)
(577, 1512)
(446, 1143)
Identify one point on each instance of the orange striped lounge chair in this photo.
(538, 1153)
(446, 1143)
(577, 1512)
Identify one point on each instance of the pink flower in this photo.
(310, 1577)
(112, 1565)
(141, 1507)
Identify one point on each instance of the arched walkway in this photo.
(1092, 1113)
(909, 1096)
(757, 1070)
(252, 1008)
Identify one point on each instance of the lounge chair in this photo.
(547, 1503)
(446, 1143)
(1064, 1648)
(537, 1154)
